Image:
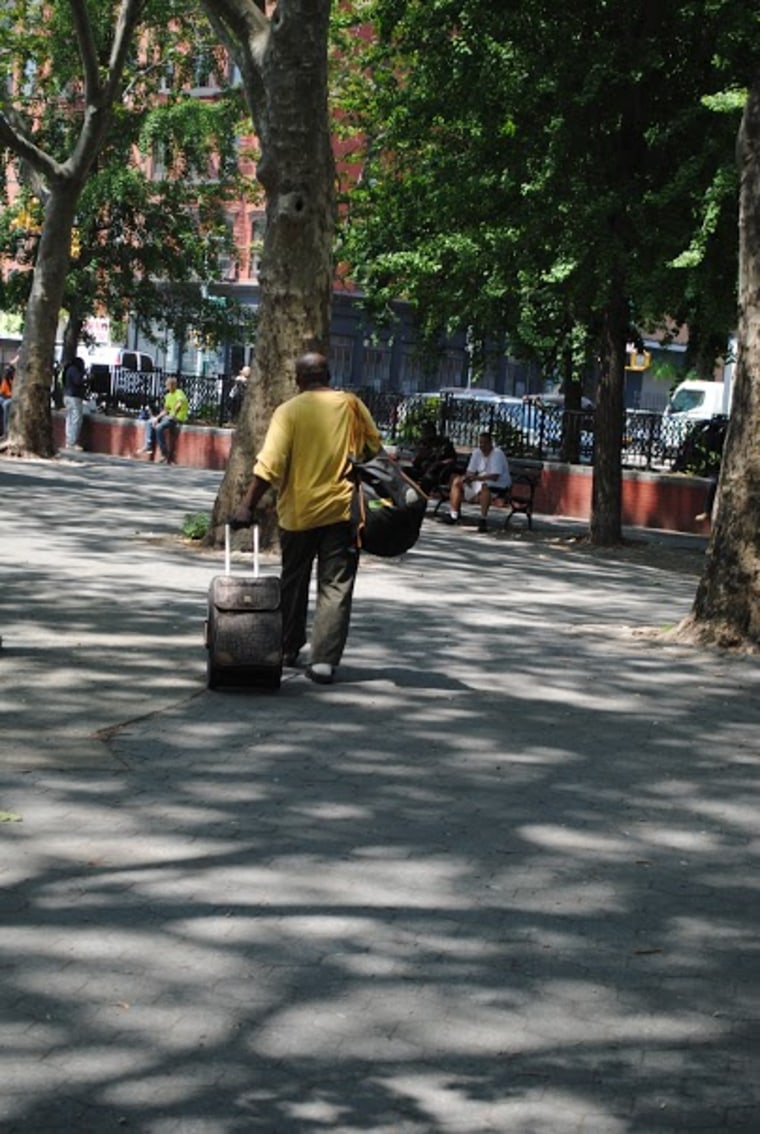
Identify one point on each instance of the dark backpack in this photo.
(388, 507)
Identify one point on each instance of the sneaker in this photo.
(163, 461)
(320, 672)
(449, 519)
(482, 524)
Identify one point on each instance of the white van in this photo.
(119, 375)
(697, 400)
(692, 401)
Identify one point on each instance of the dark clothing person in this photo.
(435, 459)
(74, 394)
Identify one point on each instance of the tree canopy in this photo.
(120, 184)
(561, 177)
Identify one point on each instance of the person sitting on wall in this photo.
(163, 426)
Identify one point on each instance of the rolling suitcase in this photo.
(244, 626)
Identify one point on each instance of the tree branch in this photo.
(130, 12)
(244, 30)
(87, 49)
(13, 135)
(242, 20)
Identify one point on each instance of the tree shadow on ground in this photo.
(500, 877)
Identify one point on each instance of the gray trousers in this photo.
(334, 549)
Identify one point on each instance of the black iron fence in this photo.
(522, 427)
(527, 428)
(131, 392)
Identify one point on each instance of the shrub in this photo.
(195, 525)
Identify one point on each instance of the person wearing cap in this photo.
(305, 458)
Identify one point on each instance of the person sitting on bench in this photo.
(487, 476)
(435, 458)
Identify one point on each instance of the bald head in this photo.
(312, 370)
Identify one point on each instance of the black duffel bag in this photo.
(388, 507)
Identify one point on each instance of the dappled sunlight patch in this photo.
(467, 1102)
(665, 837)
(332, 811)
(579, 842)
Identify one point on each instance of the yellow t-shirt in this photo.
(175, 403)
(305, 456)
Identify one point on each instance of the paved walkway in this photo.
(502, 877)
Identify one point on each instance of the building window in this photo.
(203, 71)
(414, 376)
(341, 359)
(377, 367)
(227, 263)
(452, 368)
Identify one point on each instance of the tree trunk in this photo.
(607, 494)
(72, 335)
(571, 426)
(726, 609)
(286, 90)
(31, 425)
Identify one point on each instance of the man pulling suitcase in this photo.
(305, 457)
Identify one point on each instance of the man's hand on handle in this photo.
(242, 517)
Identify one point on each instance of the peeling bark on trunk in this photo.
(726, 609)
(286, 89)
(31, 426)
(607, 494)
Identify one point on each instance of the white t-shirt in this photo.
(495, 462)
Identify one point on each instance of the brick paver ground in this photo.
(502, 877)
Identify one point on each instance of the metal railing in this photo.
(522, 427)
(131, 392)
(529, 429)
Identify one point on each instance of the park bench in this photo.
(518, 500)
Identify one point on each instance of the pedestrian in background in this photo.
(237, 393)
(74, 395)
(6, 393)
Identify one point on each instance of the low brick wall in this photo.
(198, 446)
(650, 500)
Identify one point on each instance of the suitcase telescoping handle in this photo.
(227, 551)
